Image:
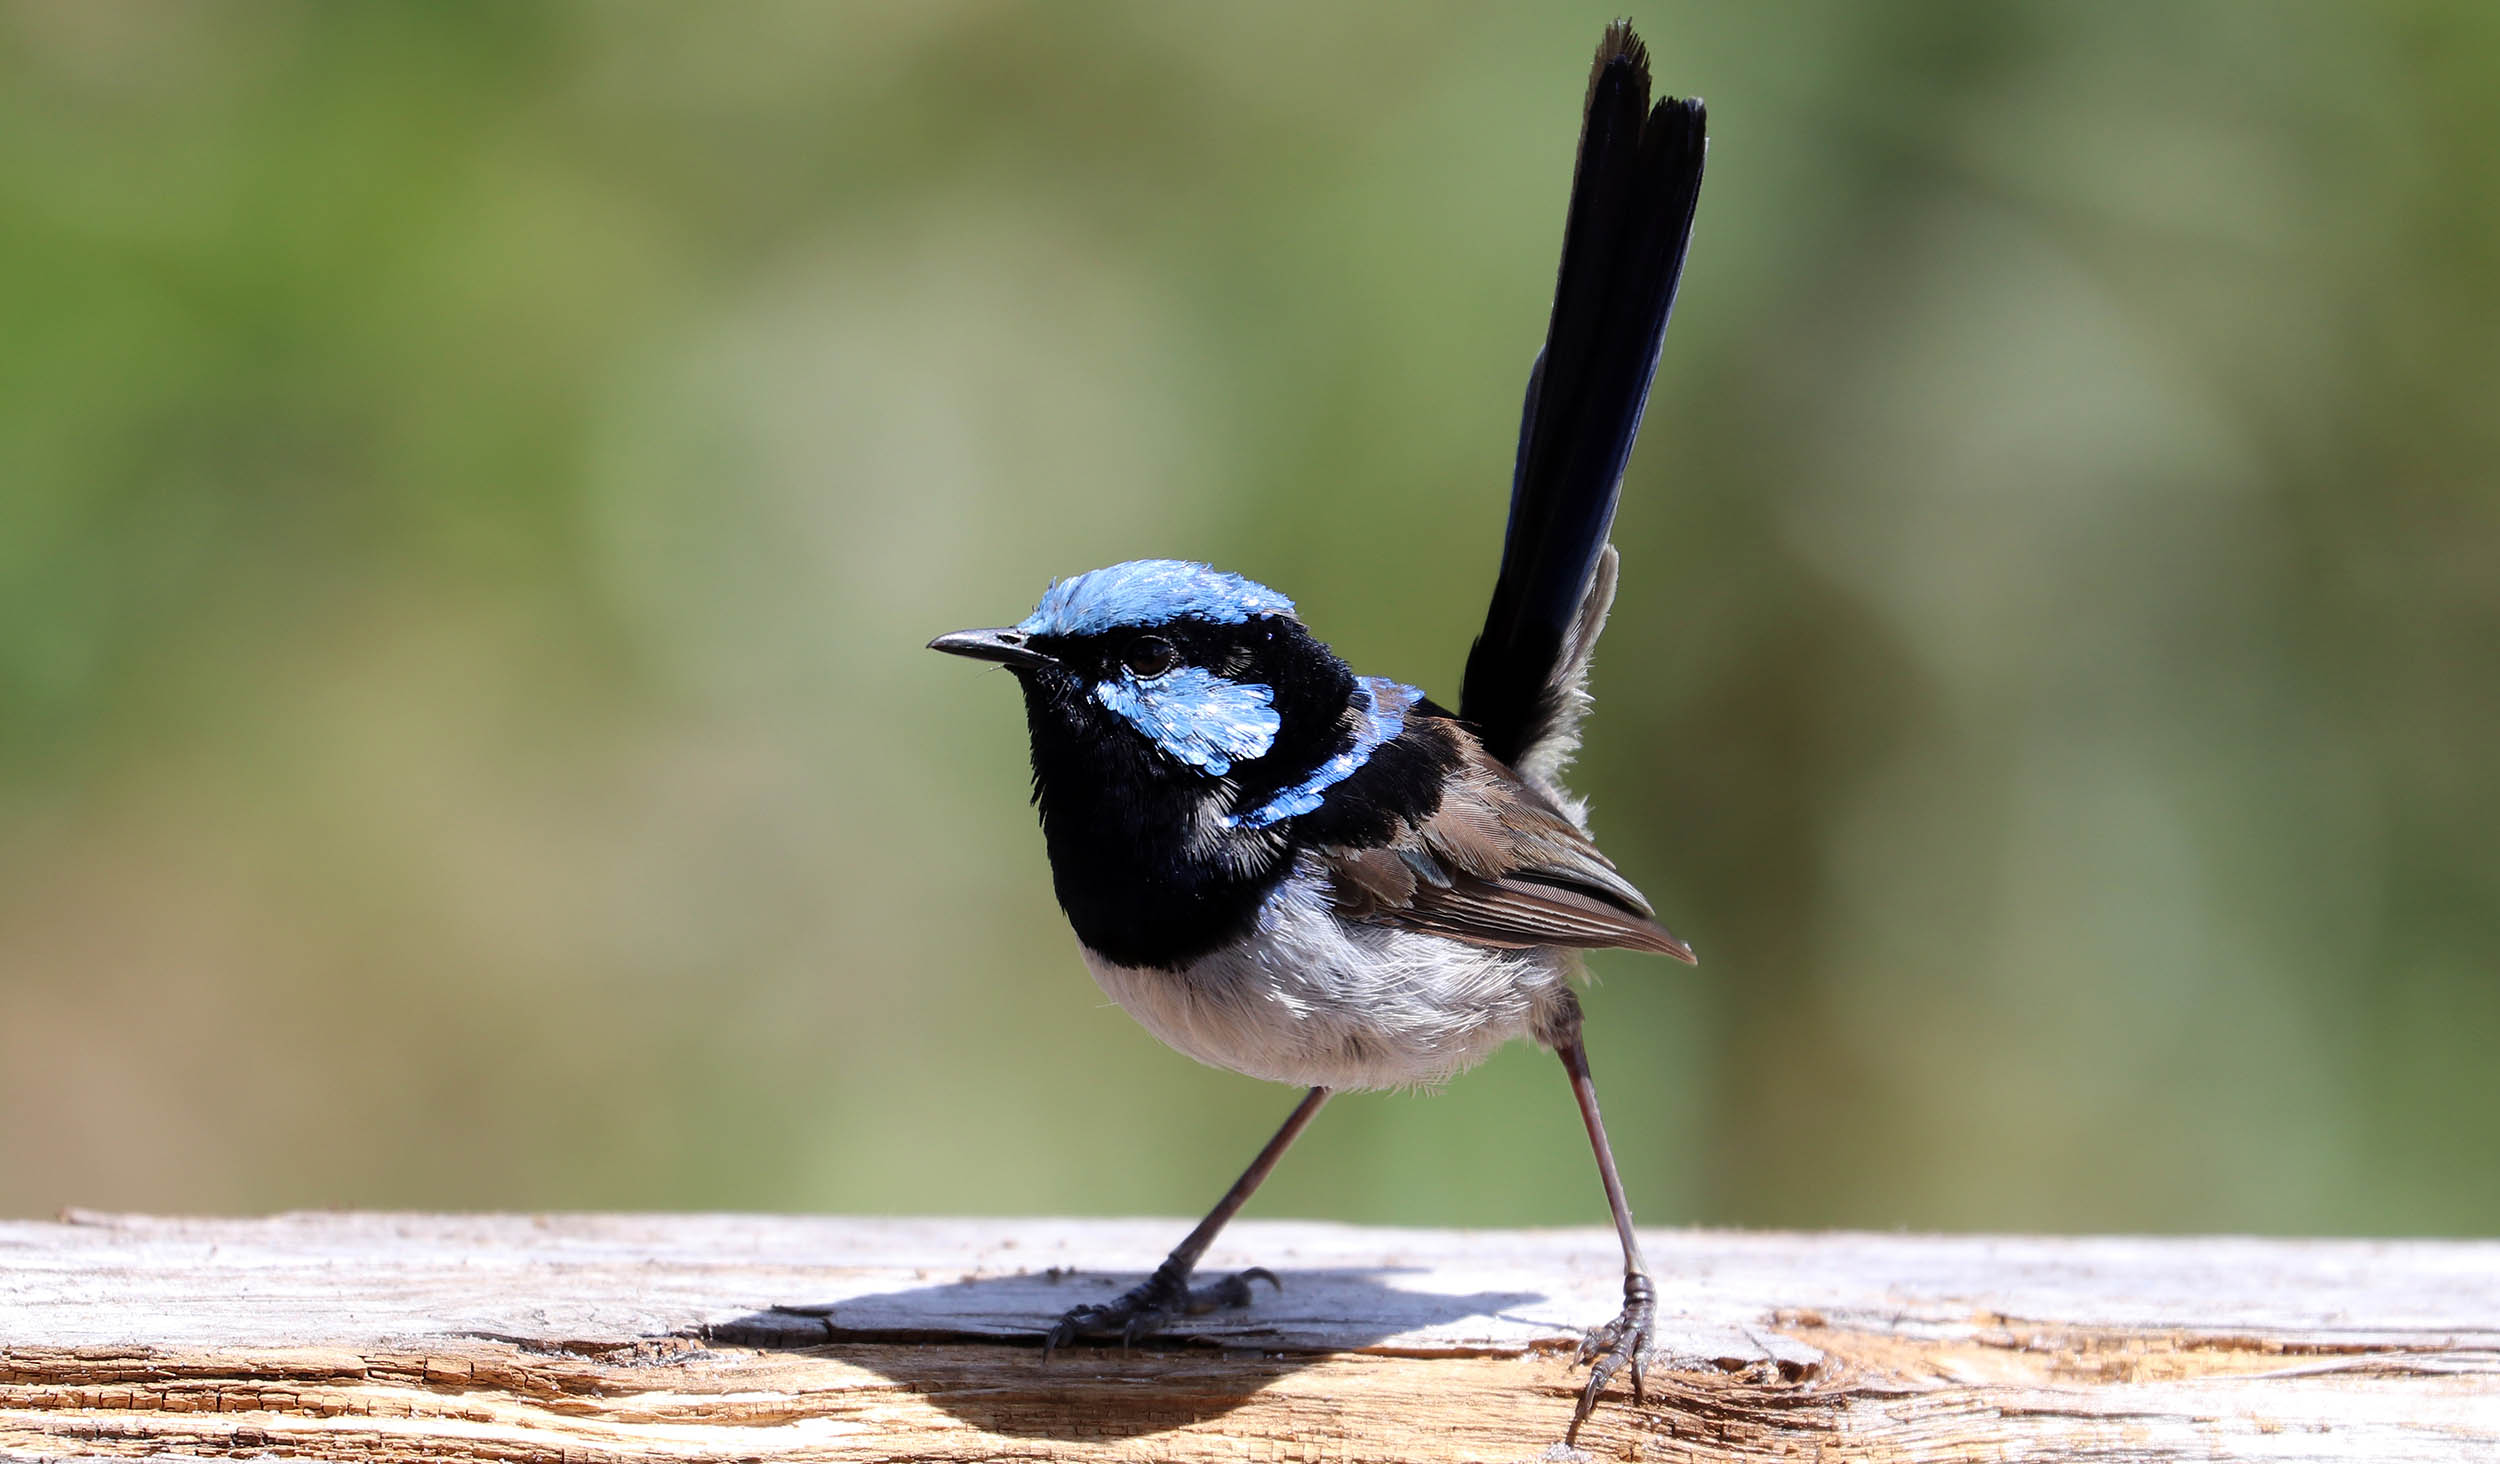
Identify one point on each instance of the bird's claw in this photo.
(1145, 1308)
(1624, 1342)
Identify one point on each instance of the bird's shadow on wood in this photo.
(1200, 1368)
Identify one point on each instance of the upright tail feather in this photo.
(1632, 198)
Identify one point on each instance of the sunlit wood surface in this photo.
(601, 1337)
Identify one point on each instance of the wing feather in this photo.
(1498, 863)
(1526, 912)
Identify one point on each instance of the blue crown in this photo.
(1149, 592)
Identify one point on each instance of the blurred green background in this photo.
(477, 480)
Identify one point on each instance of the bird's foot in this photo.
(1625, 1341)
(1148, 1306)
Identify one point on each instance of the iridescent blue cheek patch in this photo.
(1197, 716)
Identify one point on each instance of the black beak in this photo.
(1005, 646)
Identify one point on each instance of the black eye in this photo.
(1150, 655)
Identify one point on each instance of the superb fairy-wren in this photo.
(1285, 869)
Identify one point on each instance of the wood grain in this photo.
(390, 1337)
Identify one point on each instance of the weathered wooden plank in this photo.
(718, 1337)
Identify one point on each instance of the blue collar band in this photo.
(1380, 706)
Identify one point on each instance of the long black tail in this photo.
(1632, 200)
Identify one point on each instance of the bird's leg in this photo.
(1166, 1294)
(1628, 1338)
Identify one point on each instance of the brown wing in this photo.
(1498, 864)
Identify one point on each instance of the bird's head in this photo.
(1179, 716)
(1166, 672)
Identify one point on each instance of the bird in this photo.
(1318, 878)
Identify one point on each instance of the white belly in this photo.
(1315, 1001)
